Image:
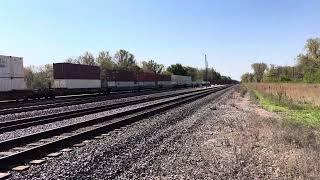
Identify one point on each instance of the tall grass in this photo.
(286, 99)
(293, 92)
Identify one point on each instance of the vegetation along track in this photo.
(23, 107)
(12, 125)
(41, 143)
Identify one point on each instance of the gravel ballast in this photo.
(82, 106)
(172, 145)
(65, 122)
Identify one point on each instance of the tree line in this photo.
(42, 77)
(307, 68)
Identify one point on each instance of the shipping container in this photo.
(164, 83)
(163, 77)
(11, 67)
(120, 75)
(181, 80)
(9, 84)
(77, 83)
(18, 84)
(75, 71)
(145, 76)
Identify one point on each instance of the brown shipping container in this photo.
(144, 76)
(75, 71)
(120, 75)
(163, 77)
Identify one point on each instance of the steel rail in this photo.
(135, 115)
(45, 119)
(47, 105)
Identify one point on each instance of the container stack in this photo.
(11, 73)
(121, 78)
(76, 76)
(181, 80)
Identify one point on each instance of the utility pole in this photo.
(206, 64)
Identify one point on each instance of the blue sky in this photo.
(233, 33)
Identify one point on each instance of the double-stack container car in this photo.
(178, 80)
(76, 79)
(12, 83)
(11, 73)
(80, 79)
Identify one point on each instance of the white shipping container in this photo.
(164, 83)
(5, 84)
(77, 83)
(181, 80)
(11, 67)
(18, 84)
(148, 83)
(9, 84)
(125, 84)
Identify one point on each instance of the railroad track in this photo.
(41, 143)
(12, 125)
(70, 102)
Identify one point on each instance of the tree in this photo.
(193, 72)
(153, 67)
(313, 47)
(214, 76)
(87, 59)
(104, 60)
(28, 76)
(177, 69)
(39, 77)
(72, 60)
(125, 61)
(259, 69)
(247, 78)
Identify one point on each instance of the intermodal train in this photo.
(72, 79)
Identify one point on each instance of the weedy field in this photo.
(295, 92)
(299, 103)
(292, 140)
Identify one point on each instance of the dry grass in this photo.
(301, 93)
(288, 150)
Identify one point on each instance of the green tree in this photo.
(39, 77)
(87, 59)
(153, 67)
(247, 78)
(177, 69)
(72, 60)
(214, 76)
(104, 60)
(193, 72)
(125, 60)
(259, 69)
(29, 76)
(313, 47)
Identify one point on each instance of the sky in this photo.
(233, 33)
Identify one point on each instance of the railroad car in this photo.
(81, 79)
(12, 85)
(76, 79)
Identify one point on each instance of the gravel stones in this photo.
(168, 145)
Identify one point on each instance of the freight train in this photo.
(70, 79)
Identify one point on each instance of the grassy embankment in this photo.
(298, 103)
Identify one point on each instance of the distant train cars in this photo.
(76, 76)
(81, 79)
